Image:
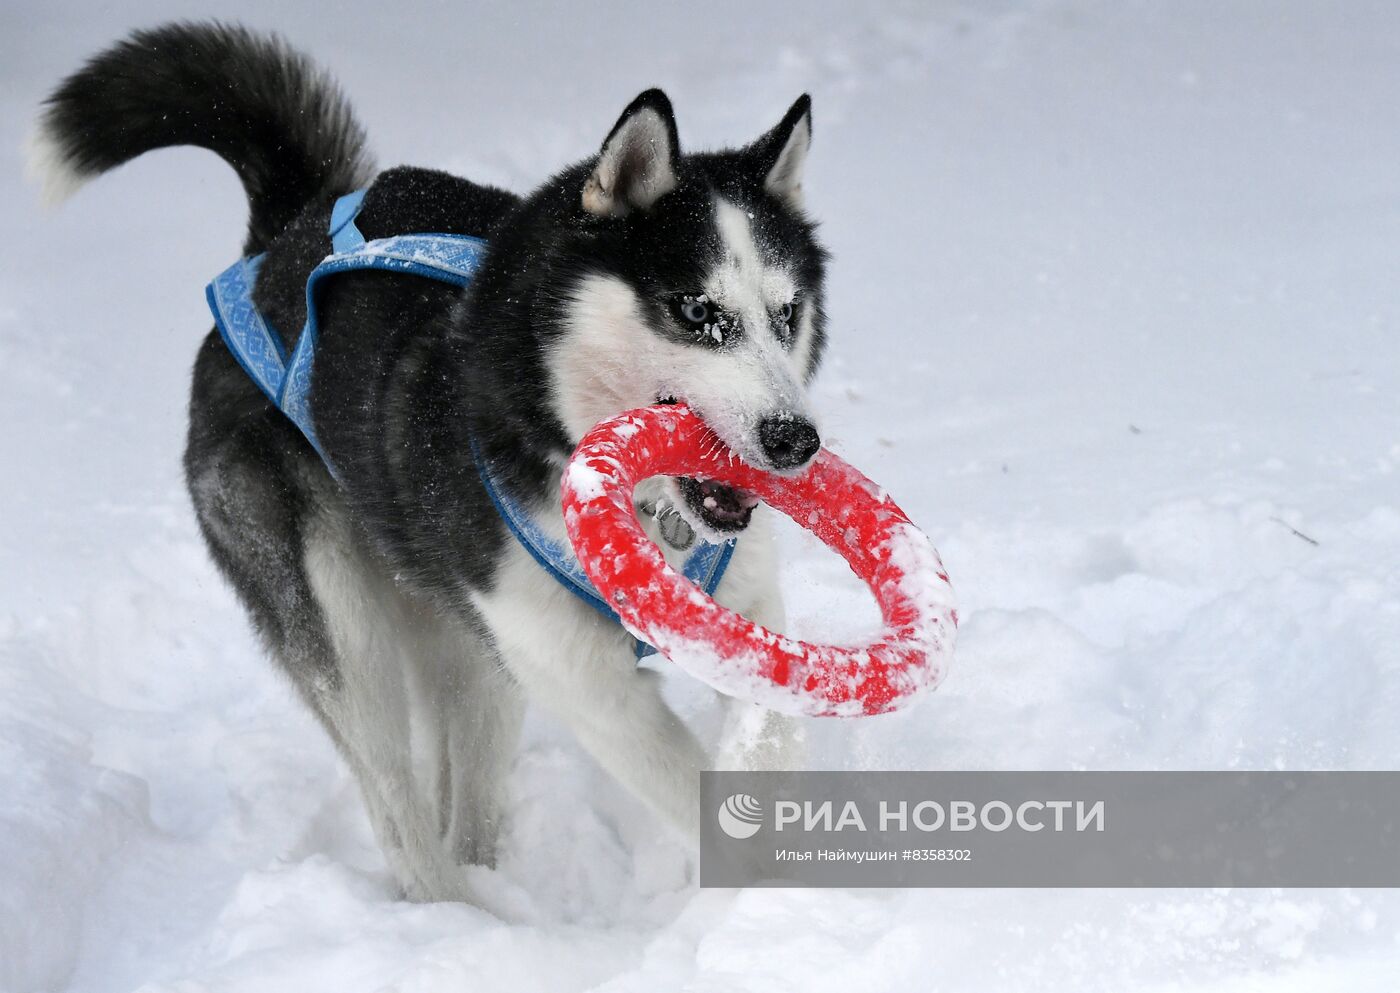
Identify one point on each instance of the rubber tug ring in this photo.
(843, 508)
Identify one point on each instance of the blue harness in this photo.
(286, 380)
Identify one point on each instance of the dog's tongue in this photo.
(726, 502)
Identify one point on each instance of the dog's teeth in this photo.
(711, 503)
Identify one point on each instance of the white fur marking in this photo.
(49, 168)
(634, 168)
(743, 284)
(425, 722)
(784, 180)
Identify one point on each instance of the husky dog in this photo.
(408, 617)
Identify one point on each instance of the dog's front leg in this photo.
(583, 669)
(755, 737)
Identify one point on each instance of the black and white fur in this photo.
(404, 612)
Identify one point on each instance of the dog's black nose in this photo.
(788, 441)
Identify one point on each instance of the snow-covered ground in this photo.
(1115, 318)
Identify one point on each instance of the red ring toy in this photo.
(840, 506)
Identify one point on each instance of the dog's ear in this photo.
(781, 153)
(637, 165)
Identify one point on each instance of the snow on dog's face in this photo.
(699, 280)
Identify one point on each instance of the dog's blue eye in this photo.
(786, 312)
(696, 311)
(707, 321)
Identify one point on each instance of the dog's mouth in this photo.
(722, 508)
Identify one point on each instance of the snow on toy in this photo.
(836, 503)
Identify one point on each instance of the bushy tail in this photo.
(265, 109)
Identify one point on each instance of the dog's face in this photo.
(696, 279)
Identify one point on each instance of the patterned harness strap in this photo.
(286, 379)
